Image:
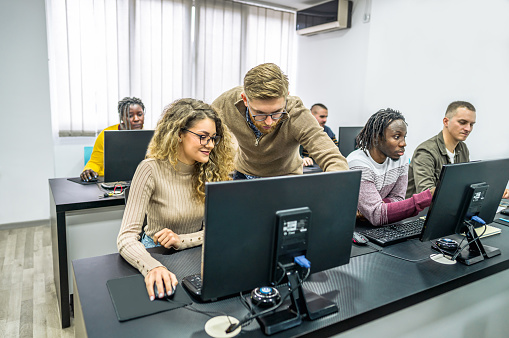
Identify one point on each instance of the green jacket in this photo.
(427, 162)
(277, 153)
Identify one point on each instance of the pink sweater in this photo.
(383, 188)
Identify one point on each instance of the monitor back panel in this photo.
(240, 226)
(455, 180)
(123, 151)
(346, 139)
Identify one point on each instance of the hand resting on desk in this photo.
(307, 161)
(167, 238)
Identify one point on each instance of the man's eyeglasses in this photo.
(274, 116)
(204, 139)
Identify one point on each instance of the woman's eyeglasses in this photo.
(204, 139)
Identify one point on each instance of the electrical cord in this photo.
(210, 314)
(250, 317)
(398, 257)
(189, 307)
(460, 249)
(111, 193)
(405, 259)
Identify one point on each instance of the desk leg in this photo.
(79, 322)
(59, 244)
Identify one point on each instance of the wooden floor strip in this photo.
(28, 301)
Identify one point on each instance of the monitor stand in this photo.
(304, 303)
(476, 251)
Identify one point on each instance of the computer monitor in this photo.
(346, 139)
(242, 221)
(459, 184)
(123, 151)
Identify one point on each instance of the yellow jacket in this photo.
(96, 162)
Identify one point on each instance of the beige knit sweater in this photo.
(277, 153)
(166, 196)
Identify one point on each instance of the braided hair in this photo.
(125, 103)
(374, 130)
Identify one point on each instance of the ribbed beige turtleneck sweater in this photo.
(166, 196)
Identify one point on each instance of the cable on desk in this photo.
(111, 193)
(402, 258)
(460, 248)
(250, 317)
(210, 314)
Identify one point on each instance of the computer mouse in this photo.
(359, 239)
(156, 292)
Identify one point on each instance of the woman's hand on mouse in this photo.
(161, 277)
(87, 175)
(167, 238)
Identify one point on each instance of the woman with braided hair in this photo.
(384, 168)
(131, 113)
(190, 147)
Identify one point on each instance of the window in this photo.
(158, 50)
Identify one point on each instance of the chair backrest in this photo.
(87, 152)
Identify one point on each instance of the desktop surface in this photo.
(69, 195)
(315, 168)
(369, 287)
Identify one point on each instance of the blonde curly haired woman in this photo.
(190, 147)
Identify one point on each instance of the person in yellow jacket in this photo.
(131, 112)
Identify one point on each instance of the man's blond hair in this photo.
(266, 81)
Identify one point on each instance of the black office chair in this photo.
(126, 196)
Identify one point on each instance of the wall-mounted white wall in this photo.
(26, 160)
(417, 57)
(331, 69)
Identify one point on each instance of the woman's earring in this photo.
(180, 140)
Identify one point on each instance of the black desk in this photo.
(66, 197)
(315, 168)
(370, 286)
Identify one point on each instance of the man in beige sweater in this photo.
(269, 126)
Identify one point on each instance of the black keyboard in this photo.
(193, 284)
(394, 233)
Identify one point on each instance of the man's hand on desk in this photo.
(88, 175)
(167, 238)
(506, 194)
(163, 279)
(307, 161)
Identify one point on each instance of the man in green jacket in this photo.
(446, 147)
(269, 125)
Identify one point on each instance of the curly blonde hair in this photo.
(184, 114)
